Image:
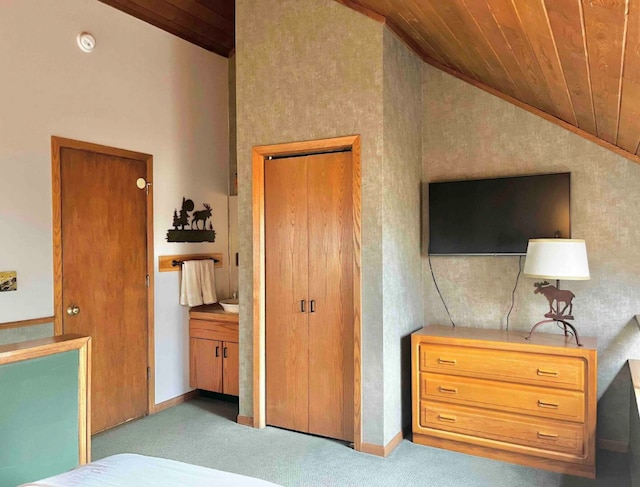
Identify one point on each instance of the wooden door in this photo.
(104, 267)
(309, 259)
(286, 282)
(231, 369)
(331, 294)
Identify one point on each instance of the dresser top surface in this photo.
(514, 338)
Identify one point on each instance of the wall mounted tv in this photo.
(497, 216)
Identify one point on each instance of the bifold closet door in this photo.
(309, 296)
(286, 286)
(330, 205)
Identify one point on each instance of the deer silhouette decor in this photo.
(190, 225)
(555, 297)
(553, 294)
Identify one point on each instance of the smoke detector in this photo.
(86, 42)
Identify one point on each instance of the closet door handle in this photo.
(312, 305)
(302, 307)
(217, 351)
(224, 352)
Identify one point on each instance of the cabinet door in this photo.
(286, 285)
(230, 368)
(206, 364)
(330, 200)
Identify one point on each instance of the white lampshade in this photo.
(557, 258)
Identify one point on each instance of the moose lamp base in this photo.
(565, 324)
(556, 297)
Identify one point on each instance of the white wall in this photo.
(143, 90)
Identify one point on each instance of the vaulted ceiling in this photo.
(574, 62)
(577, 60)
(209, 24)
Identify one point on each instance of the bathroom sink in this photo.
(230, 305)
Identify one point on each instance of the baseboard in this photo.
(245, 420)
(187, 396)
(380, 450)
(613, 445)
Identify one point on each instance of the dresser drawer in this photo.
(504, 396)
(528, 368)
(548, 436)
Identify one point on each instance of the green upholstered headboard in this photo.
(44, 397)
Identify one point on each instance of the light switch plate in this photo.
(8, 281)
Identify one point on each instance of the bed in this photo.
(129, 470)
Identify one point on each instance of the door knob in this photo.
(73, 310)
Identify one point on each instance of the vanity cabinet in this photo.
(496, 394)
(213, 350)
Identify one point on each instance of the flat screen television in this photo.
(497, 216)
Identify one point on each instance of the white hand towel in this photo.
(208, 281)
(191, 285)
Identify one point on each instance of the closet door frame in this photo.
(259, 155)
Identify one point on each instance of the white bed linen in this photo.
(129, 470)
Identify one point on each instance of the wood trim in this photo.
(56, 188)
(164, 261)
(357, 293)
(244, 420)
(259, 155)
(613, 445)
(182, 398)
(258, 294)
(380, 450)
(30, 322)
(31, 349)
(84, 403)
(151, 340)
(57, 144)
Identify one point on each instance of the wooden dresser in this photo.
(494, 394)
(213, 350)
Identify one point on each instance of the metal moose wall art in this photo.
(190, 225)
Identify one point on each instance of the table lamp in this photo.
(559, 259)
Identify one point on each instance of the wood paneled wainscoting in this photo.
(306, 287)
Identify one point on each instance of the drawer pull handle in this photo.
(448, 390)
(550, 405)
(547, 373)
(445, 361)
(217, 351)
(547, 436)
(448, 419)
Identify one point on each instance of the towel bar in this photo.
(176, 263)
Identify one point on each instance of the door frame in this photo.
(57, 144)
(259, 155)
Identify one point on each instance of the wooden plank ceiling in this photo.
(209, 24)
(576, 60)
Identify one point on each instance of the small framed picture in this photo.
(8, 281)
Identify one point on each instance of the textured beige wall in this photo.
(471, 134)
(401, 270)
(311, 70)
